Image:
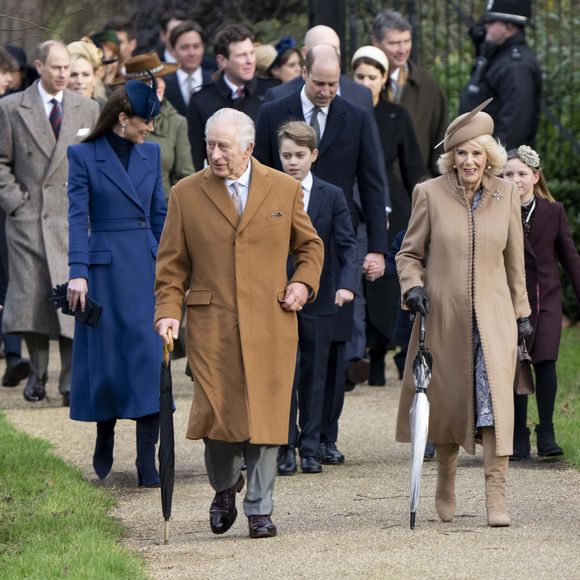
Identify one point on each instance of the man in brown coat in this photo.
(225, 245)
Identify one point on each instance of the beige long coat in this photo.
(33, 194)
(241, 344)
(462, 277)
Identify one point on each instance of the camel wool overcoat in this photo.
(472, 269)
(241, 344)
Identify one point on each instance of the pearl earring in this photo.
(489, 166)
(454, 166)
(123, 128)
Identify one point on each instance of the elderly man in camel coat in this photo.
(225, 244)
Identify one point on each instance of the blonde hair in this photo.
(495, 152)
(540, 188)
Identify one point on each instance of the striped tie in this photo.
(55, 117)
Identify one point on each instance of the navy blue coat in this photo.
(330, 216)
(115, 222)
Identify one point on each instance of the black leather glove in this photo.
(525, 329)
(417, 300)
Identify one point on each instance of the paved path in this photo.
(350, 521)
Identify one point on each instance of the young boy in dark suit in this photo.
(328, 210)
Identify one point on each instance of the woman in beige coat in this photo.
(462, 262)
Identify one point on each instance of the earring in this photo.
(489, 167)
(123, 128)
(454, 166)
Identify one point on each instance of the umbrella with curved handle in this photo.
(419, 419)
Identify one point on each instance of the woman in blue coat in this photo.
(116, 215)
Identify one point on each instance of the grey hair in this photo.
(389, 20)
(495, 152)
(245, 131)
(43, 49)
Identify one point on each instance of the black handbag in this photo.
(524, 380)
(90, 316)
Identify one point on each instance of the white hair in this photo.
(245, 131)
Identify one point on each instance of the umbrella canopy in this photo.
(419, 418)
(166, 436)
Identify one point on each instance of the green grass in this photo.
(567, 412)
(53, 524)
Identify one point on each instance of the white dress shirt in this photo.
(243, 184)
(306, 189)
(168, 57)
(196, 84)
(46, 98)
(308, 108)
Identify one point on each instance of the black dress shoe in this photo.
(17, 369)
(310, 465)
(35, 390)
(522, 450)
(66, 399)
(261, 527)
(223, 511)
(330, 455)
(357, 371)
(286, 460)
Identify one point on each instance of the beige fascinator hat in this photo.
(468, 126)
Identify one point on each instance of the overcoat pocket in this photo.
(199, 297)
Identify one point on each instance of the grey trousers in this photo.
(38, 347)
(223, 462)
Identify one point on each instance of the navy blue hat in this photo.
(143, 98)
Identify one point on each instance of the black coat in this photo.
(347, 151)
(549, 242)
(402, 157)
(511, 75)
(173, 92)
(216, 96)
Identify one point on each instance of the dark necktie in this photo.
(314, 123)
(239, 93)
(55, 117)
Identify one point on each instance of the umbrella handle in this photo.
(168, 348)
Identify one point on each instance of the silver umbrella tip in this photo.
(413, 515)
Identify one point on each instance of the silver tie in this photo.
(314, 123)
(236, 197)
(189, 87)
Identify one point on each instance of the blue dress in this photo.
(115, 221)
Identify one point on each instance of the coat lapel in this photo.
(110, 166)
(334, 123)
(260, 187)
(35, 120)
(541, 219)
(215, 189)
(316, 198)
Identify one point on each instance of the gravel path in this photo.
(350, 521)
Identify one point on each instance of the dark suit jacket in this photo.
(347, 151)
(548, 242)
(173, 92)
(349, 90)
(330, 216)
(216, 96)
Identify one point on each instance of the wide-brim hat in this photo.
(468, 126)
(142, 66)
(373, 53)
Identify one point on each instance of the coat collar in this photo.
(486, 186)
(260, 186)
(110, 165)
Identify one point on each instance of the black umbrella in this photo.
(419, 418)
(166, 437)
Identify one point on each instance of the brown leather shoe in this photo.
(223, 511)
(261, 527)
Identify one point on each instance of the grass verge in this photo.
(53, 524)
(567, 412)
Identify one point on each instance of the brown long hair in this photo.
(540, 188)
(117, 103)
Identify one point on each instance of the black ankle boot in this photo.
(547, 446)
(521, 445)
(147, 436)
(103, 456)
(377, 368)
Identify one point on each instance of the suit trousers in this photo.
(314, 337)
(38, 348)
(334, 393)
(223, 462)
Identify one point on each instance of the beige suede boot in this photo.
(495, 481)
(446, 455)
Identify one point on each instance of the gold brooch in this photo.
(497, 195)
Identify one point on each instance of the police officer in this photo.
(507, 70)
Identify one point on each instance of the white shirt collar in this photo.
(308, 105)
(46, 97)
(233, 88)
(244, 184)
(306, 189)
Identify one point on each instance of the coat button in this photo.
(141, 222)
